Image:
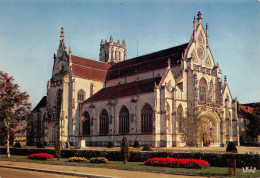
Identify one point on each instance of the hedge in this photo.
(215, 159)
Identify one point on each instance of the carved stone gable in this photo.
(207, 61)
(201, 39)
(193, 56)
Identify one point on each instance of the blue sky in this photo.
(30, 30)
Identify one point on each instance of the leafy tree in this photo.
(13, 103)
(192, 128)
(125, 150)
(253, 128)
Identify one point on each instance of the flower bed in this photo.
(179, 163)
(78, 159)
(98, 160)
(40, 156)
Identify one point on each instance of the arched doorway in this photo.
(209, 128)
(54, 132)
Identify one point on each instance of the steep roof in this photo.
(89, 69)
(128, 89)
(147, 62)
(41, 104)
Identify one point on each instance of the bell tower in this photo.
(112, 52)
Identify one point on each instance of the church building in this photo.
(90, 103)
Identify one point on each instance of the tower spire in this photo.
(194, 23)
(199, 17)
(61, 34)
(207, 35)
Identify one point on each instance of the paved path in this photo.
(84, 171)
(16, 173)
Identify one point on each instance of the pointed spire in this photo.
(169, 63)
(111, 38)
(61, 34)
(194, 23)
(207, 35)
(70, 50)
(225, 79)
(199, 17)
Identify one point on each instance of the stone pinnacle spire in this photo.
(62, 34)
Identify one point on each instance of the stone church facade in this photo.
(144, 98)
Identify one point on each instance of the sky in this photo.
(30, 34)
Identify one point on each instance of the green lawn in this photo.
(138, 166)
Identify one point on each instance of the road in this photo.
(13, 173)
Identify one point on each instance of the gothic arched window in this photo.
(81, 95)
(59, 101)
(86, 124)
(211, 91)
(147, 119)
(104, 122)
(124, 121)
(203, 89)
(180, 117)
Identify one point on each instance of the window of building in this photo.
(124, 121)
(81, 95)
(104, 121)
(203, 89)
(91, 89)
(180, 117)
(234, 128)
(86, 124)
(211, 91)
(147, 119)
(227, 126)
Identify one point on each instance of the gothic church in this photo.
(90, 103)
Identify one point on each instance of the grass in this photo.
(137, 166)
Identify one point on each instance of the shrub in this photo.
(136, 144)
(40, 156)
(125, 150)
(231, 147)
(147, 148)
(39, 145)
(179, 163)
(111, 144)
(78, 159)
(98, 160)
(17, 145)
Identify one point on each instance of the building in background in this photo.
(143, 98)
(249, 124)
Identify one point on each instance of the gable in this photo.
(199, 51)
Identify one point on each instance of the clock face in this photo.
(200, 52)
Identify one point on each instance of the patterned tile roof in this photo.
(147, 62)
(128, 89)
(89, 69)
(41, 104)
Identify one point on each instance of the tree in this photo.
(253, 128)
(13, 103)
(125, 150)
(192, 128)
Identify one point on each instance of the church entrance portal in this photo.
(209, 128)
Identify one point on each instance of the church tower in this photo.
(112, 52)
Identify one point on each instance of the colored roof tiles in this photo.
(89, 69)
(147, 62)
(128, 89)
(41, 104)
